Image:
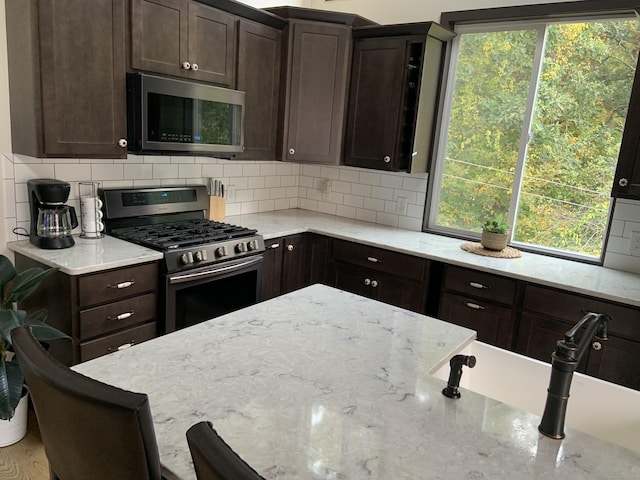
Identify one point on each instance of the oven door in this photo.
(197, 295)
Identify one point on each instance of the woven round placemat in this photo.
(478, 249)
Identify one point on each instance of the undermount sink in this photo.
(602, 409)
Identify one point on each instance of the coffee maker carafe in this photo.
(51, 220)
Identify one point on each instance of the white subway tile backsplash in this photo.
(165, 170)
(356, 193)
(138, 171)
(382, 193)
(369, 178)
(27, 171)
(365, 215)
(350, 175)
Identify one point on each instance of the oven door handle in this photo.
(174, 279)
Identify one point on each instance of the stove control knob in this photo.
(252, 245)
(221, 251)
(200, 255)
(241, 248)
(186, 258)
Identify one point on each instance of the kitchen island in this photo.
(324, 384)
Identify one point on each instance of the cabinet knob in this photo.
(596, 346)
(292, 151)
(367, 281)
(290, 248)
(194, 67)
(374, 283)
(122, 142)
(623, 182)
(387, 159)
(185, 65)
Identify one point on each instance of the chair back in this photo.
(213, 459)
(90, 430)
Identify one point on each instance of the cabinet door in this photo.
(159, 35)
(379, 286)
(316, 92)
(259, 54)
(211, 45)
(83, 66)
(318, 258)
(377, 78)
(617, 360)
(538, 336)
(493, 323)
(272, 268)
(295, 270)
(626, 183)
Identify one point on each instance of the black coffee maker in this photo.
(51, 220)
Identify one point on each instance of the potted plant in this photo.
(15, 287)
(494, 235)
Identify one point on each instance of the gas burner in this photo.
(185, 233)
(172, 220)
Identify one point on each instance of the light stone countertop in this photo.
(88, 255)
(568, 275)
(323, 384)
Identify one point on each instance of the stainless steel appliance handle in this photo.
(214, 271)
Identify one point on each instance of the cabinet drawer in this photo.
(111, 343)
(113, 285)
(379, 259)
(492, 322)
(571, 307)
(479, 284)
(117, 315)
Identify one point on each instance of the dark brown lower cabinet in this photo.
(549, 313)
(387, 288)
(102, 312)
(285, 267)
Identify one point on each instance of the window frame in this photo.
(551, 12)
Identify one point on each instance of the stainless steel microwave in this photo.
(166, 115)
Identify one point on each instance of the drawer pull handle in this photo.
(475, 306)
(274, 245)
(477, 285)
(124, 346)
(122, 316)
(122, 284)
(374, 260)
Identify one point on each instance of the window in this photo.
(531, 130)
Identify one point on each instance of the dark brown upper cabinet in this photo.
(67, 64)
(183, 38)
(259, 55)
(626, 183)
(317, 70)
(394, 93)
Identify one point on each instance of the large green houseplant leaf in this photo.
(15, 287)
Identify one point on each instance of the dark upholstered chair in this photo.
(213, 459)
(90, 430)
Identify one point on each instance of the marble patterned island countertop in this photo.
(588, 279)
(324, 384)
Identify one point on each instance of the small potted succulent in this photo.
(15, 287)
(494, 235)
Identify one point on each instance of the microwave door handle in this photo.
(174, 279)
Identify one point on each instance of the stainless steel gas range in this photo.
(209, 268)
